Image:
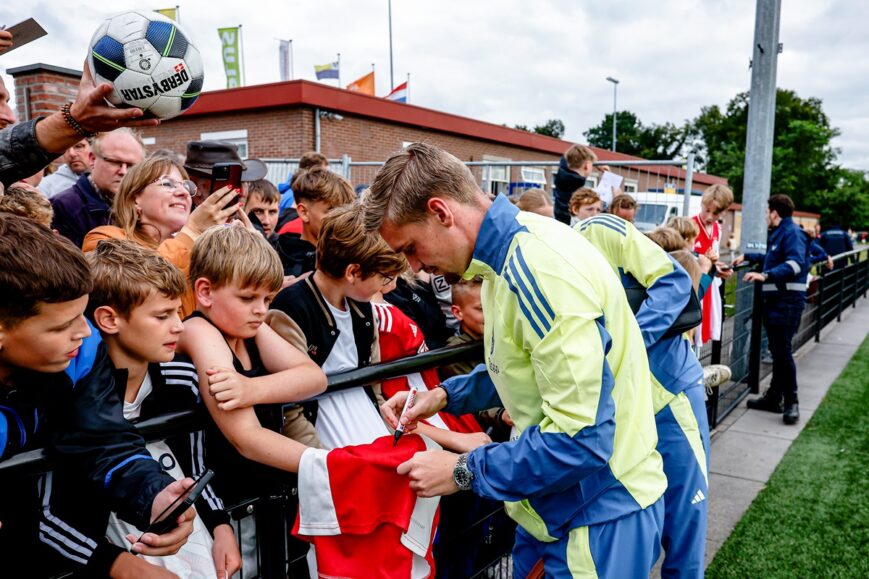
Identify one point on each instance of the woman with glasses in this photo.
(153, 208)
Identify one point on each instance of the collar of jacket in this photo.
(321, 301)
(497, 230)
(93, 198)
(567, 180)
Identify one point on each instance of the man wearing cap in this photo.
(203, 155)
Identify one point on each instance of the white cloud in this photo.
(520, 62)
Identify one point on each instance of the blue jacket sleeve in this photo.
(705, 281)
(793, 258)
(667, 297)
(754, 257)
(471, 392)
(816, 253)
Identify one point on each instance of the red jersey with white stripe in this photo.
(361, 515)
(400, 337)
(710, 328)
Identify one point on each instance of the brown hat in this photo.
(202, 155)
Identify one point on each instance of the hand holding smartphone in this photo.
(168, 518)
(227, 174)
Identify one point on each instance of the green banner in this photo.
(231, 56)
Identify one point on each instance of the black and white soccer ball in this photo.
(151, 62)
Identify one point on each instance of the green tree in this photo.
(803, 163)
(847, 203)
(551, 128)
(665, 141)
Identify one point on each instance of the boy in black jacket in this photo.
(135, 303)
(57, 389)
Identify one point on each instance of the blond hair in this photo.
(581, 197)
(717, 198)
(124, 274)
(668, 238)
(343, 241)
(228, 254)
(686, 227)
(465, 288)
(321, 184)
(124, 212)
(409, 178)
(622, 201)
(27, 202)
(533, 199)
(576, 155)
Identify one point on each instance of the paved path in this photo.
(748, 445)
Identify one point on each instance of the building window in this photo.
(148, 141)
(629, 186)
(237, 138)
(496, 178)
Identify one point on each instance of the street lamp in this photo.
(615, 82)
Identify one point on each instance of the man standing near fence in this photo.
(563, 354)
(783, 275)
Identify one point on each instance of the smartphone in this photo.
(223, 174)
(724, 267)
(168, 519)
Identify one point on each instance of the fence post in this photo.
(345, 166)
(819, 308)
(754, 347)
(841, 300)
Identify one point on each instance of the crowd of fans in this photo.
(128, 289)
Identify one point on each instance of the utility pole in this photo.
(761, 122)
(391, 80)
(758, 167)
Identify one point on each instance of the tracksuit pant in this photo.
(625, 547)
(683, 441)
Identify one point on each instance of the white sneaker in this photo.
(715, 375)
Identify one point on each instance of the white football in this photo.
(151, 62)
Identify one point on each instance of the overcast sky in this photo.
(519, 62)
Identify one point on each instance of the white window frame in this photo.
(630, 186)
(237, 137)
(148, 141)
(536, 175)
(493, 175)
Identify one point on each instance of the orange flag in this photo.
(364, 84)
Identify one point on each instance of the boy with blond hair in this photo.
(135, 303)
(22, 199)
(715, 201)
(317, 191)
(247, 373)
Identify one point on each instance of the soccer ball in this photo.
(149, 60)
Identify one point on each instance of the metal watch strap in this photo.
(462, 475)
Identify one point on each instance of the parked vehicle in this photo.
(655, 209)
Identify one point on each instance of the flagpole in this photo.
(407, 88)
(339, 70)
(241, 50)
(292, 72)
(178, 14)
(391, 80)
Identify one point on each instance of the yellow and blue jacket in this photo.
(639, 261)
(564, 354)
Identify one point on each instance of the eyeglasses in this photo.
(170, 184)
(387, 279)
(117, 164)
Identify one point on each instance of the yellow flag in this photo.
(169, 13)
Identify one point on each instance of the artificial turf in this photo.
(812, 519)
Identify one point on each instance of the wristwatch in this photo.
(462, 475)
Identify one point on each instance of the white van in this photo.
(655, 209)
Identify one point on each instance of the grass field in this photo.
(812, 519)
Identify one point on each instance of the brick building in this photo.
(278, 122)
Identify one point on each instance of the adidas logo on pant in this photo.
(698, 497)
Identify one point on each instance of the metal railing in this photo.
(281, 556)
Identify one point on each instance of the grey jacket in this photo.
(20, 153)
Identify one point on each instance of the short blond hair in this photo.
(125, 273)
(343, 241)
(687, 260)
(533, 199)
(321, 184)
(686, 227)
(409, 178)
(462, 289)
(576, 155)
(27, 202)
(668, 238)
(229, 254)
(717, 198)
(581, 197)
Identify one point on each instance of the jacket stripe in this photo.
(22, 431)
(794, 266)
(123, 463)
(54, 532)
(197, 465)
(524, 265)
(523, 287)
(586, 224)
(606, 220)
(523, 307)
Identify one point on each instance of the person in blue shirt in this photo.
(785, 268)
(835, 240)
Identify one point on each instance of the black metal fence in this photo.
(742, 337)
(480, 543)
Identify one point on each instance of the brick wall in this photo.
(46, 92)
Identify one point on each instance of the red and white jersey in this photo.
(361, 515)
(710, 328)
(400, 337)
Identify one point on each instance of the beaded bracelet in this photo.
(74, 125)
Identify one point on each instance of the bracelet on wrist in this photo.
(74, 124)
